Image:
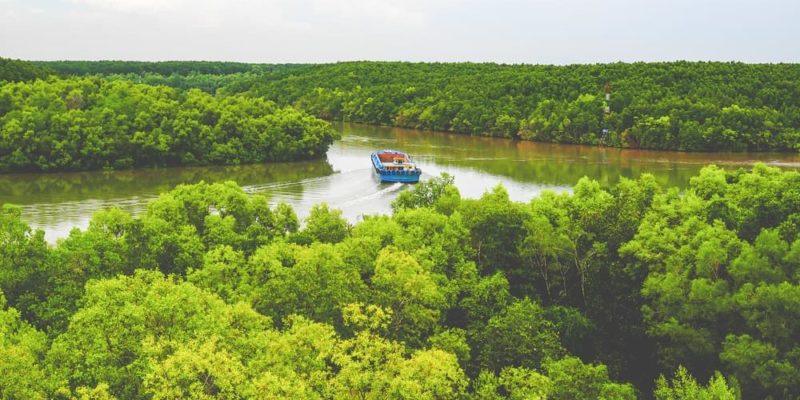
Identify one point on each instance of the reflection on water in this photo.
(57, 202)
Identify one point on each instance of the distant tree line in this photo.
(209, 83)
(692, 106)
(205, 75)
(213, 293)
(144, 67)
(18, 70)
(696, 106)
(95, 123)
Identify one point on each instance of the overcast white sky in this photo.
(507, 31)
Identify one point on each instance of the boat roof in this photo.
(390, 151)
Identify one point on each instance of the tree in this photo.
(199, 371)
(225, 273)
(438, 192)
(684, 387)
(180, 302)
(97, 123)
(496, 226)
(23, 253)
(371, 367)
(416, 301)
(572, 379)
(313, 282)
(453, 341)
(127, 323)
(326, 225)
(22, 374)
(518, 337)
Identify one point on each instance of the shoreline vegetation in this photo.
(93, 123)
(683, 106)
(631, 291)
(687, 106)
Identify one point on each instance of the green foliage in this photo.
(199, 371)
(651, 106)
(326, 225)
(452, 341)
(143, 67)
(18, 70)
(311, 281)
(373, 368)
(567, 378)
(684, 387)
(574, 328)
(496, 227)
(721, 287)
(21, 350)
(574, 380)
(696, 106)
(127, 323)
(401, 284)
(519, 337)
(515, 383)
(22, 253)
(207, 82)
(93, 123)
(438, 193)
(211, 292)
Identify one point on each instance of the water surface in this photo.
(58, 202)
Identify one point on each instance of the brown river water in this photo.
(59, 202)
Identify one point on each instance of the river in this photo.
(59, 202)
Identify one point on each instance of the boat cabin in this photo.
(396, 161)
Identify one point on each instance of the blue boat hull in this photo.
(393, 177)
(386, 175)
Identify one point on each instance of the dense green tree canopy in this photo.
(695, 106)
(159, 67)
(209, 83)
(215, 293)
(692, 106)
(18, 70)
(94, 123)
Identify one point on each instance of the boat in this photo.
(395, 166)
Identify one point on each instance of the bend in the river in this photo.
(57, 202)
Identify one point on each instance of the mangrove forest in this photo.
(622, 292)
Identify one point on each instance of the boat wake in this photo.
(395, 187)
(276, 185)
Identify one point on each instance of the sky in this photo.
(503, 31)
